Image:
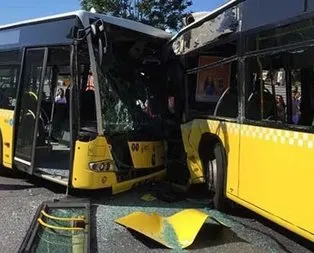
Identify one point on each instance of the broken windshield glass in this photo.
(126, 95)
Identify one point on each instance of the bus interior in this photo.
(286, 80)
(53, 143)
(210, 90)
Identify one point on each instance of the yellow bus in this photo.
(79, 104)
(249, 108)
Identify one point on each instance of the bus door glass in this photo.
(28, 132)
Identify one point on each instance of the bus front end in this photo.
(123, 145)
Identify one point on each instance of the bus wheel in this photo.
(215, 171)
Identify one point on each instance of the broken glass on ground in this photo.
(176, 232)
(62, 227)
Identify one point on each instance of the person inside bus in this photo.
(281, 108)
(60, 98)
(295, 107)
(88, 104)
(254, 111)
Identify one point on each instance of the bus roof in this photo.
(85, 16)
(209, 16)
(222, 22)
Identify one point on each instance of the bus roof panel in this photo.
(85, 16)
(222, 22)
(258, 13)
(37, 34)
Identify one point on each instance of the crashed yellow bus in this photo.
(248, 120)
(79, 100)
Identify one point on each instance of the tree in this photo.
(164, 14)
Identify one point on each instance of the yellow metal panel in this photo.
(93, 151)
(191, 137)
(276, 173)
(6, 125)
(147, 154)
(276, 219)
(99, 150)
(228, 132)
(176, 231)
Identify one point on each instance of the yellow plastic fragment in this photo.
(148, 197)
(176, 231)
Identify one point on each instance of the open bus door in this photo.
(44, 136)
(27, 130)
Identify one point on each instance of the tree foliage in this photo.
(164, 14)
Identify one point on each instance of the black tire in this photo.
(219, 155)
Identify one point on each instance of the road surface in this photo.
(247, 233)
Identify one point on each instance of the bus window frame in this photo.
(202, 115)
(74, 114)
(93, 66)
(30, 168)
(245, 53)
(18, 64)
(269, 27)
(23, 48)
(17, 107)
(269, 123)
(20, 45)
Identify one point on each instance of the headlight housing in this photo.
(102, 166)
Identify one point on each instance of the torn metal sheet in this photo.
(176, 232)
(224, 24)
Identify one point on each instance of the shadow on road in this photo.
(241, 212)
(285, 232)
(214, 235)
(10, 173)
(15, 187)
(210, 235)
(18, 180)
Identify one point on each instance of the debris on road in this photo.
(59, 226)
(148, 197)
(176, 232)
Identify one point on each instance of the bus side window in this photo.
(227, 105)
(213, 91)
(286, 80)
(9, 75)
(265, 81)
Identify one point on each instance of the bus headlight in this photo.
(101, 166)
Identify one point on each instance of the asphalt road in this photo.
(248, 232)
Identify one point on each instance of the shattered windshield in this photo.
(125, 94)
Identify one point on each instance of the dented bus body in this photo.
(79, 104)
(248, 120)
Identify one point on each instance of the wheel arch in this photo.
(206, 152)
(207, 144)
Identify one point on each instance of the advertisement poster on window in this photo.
(211, 83)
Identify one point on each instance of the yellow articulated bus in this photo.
(248, 122)
(79, 100)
